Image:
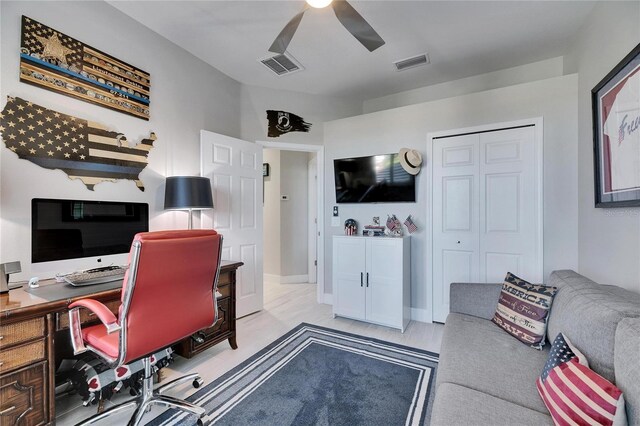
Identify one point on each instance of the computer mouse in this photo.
(33, 282)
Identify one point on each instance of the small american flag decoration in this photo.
(82, 149)
(411, 226)
(391, 222)
(573, 393)
(394, 226)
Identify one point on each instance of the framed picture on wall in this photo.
(616, 134)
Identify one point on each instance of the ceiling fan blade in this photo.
(281, 42)
(356, 25)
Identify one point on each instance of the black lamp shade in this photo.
(188, 192)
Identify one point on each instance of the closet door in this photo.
(349, 267)
(486, 210)
(509, 205)
(455, 217)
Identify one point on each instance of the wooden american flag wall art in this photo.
(82, 149)
(62, 64)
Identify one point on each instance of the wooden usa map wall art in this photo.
(82, 149)
(62, 64)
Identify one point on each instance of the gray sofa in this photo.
(487, 377)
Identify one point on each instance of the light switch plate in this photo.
(335, 221)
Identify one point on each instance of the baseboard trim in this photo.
(328, 299)
(294, 279)
(271, 278)
(286, 279)
(420, 315)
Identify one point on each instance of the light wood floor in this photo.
(286, 306)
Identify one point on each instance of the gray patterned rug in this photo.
(319, 376)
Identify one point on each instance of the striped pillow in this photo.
(523, 309)
(575, 394)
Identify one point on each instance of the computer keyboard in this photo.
(95, 276)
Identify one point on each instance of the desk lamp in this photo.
(188, 193)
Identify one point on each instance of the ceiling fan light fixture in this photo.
(319, 4)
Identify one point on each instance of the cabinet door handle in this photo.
(361, 278)
(367, 279)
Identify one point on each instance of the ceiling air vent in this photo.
(414, 61)
(282, 64)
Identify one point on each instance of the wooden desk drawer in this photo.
(222, 324)
(62, 318)
(224, 278)
(224, 290)
(18, 356)
(21, 331)
(22, 396)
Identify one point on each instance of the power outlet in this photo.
(284, 198)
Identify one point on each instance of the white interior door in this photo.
(509, 205)
(486, 212)
(455, 217)
(235, 169)
(313, 219)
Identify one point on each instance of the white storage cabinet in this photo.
(371, 279)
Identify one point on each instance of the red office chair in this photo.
(168, 294)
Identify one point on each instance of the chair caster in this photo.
(199, 422)
(197, 382)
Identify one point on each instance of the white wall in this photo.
(553, 99)
(271, 213)
(478, 83)
(294, 213)
(187, 95)
(313, 109)
(609, 239)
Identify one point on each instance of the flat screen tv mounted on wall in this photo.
(69, 229)
(374, 179)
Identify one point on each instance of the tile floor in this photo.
(285, 306)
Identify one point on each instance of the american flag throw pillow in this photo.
(523, 309)
(576, 395)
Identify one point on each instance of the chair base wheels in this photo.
(148, 397)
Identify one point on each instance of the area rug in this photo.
(318, 376)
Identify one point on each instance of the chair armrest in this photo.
(102, 312)
(476, 299)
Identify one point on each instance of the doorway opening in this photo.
(292, 214)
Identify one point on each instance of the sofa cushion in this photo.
(627, 364)
(478, 355)
(523, 309)
(458, 405)
(589, 313)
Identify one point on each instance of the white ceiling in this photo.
(463, 38)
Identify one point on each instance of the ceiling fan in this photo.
(346, 14)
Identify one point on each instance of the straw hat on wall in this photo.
(411, 160)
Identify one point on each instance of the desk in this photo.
(30, 327)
